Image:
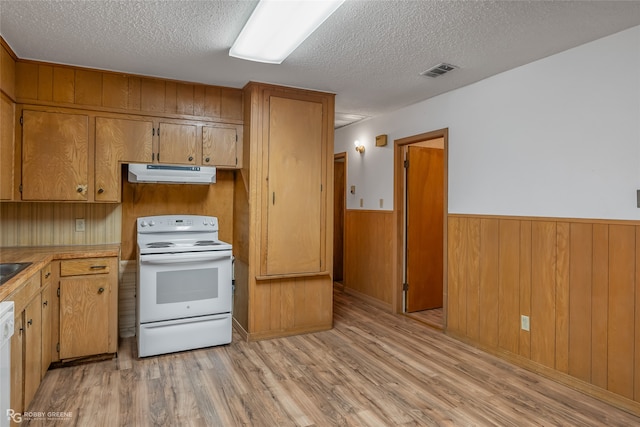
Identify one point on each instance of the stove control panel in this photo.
(170, 223)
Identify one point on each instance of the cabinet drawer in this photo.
(79, 267)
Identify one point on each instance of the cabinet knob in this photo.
(207, 159)
(45, 303)
(100, 290)
(46, 276)
(100, 190)
(79, 189)
(30, 322)
(190, 158)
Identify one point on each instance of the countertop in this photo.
(40, 256)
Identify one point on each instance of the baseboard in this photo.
(240, 330)
(368, 299)
(259, 336)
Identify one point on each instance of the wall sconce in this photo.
(359, 147)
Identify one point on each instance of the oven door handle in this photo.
(176, 258)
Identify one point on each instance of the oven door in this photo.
(179, 285)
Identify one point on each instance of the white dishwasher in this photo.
(6, 332)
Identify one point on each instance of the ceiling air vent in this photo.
(438, 70)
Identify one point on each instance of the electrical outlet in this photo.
(361, 202)
(381, 203)
(524, 322)
(79, 225)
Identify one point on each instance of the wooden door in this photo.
(425, 228)
(294, 187)
(219, 146)
(7, 144)
(84, 315)
(177, 144)
(119, 141)
(32, 349)
(55, 149)
(339, 189)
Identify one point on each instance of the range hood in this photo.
(172, 174)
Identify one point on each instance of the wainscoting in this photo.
(577, 280)
(369, 255)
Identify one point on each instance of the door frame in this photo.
(342, 156)
(399, 215)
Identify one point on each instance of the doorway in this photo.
(421, 189)
(339, 206)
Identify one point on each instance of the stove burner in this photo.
(155, 245)
(205, 243)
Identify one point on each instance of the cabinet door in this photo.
(219, 145)
(17, 369)
(119, 141)
(54, 156)
(294, 183)
(7, 144)
(177, 143)
(32, 349)
(84, 315)
(47, 308)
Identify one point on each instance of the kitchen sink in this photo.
(10, 269)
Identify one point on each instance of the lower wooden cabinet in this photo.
(26, 344)
(32, 348)
(88, 307)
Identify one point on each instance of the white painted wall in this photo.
(559, 137)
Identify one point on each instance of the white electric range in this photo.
(184, 286)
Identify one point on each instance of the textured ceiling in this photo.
(369, 53)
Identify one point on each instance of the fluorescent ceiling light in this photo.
(277, 27)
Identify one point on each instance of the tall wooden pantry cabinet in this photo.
(283, 226)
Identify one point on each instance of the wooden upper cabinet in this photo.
(119, 141)
(7, 144)
(177, 143)
(295, 200)
(55, 150)
(219, 146)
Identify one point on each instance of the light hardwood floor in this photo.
(433, 317)
(373, 369)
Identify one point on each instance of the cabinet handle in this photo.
(190, 158)
(100, 290)
(46, 276)
(98, 267)
(30, 322)
(20, 331)
(45, 303)
(274, 197)
(207, 159)
(100, 190)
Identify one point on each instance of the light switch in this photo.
(353, 189)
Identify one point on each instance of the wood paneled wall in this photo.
(47, 224)
(577, 280)
(169, 199)
(60, 85)
(288, 306)
(369, 254)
